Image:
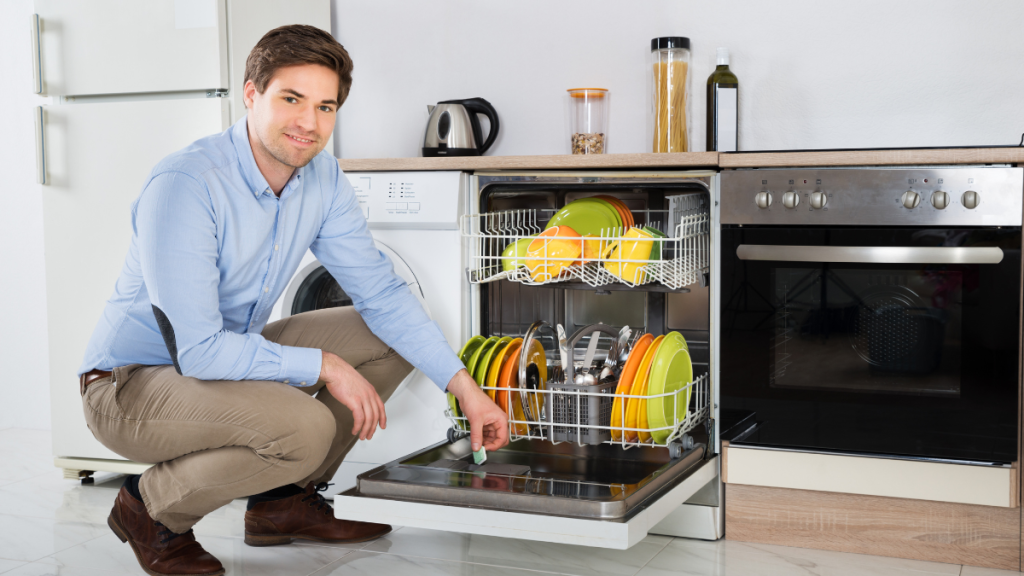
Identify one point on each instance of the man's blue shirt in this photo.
(212, 250)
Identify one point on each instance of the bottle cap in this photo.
(670, 42)
(723, 56)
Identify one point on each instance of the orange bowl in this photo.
(552, 251)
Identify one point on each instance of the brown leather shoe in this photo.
(307, 516)
(160, 552)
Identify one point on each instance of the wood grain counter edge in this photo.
(933, 156)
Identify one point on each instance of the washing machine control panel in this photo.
(408, 199)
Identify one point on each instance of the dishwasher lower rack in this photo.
(533, 476)
(592, 415)
(674, 254)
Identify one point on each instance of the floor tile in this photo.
(52, 496)
(108, 556)
(28, 538)
(25, 453)
(728, 558)
(376, 564)
(975, 571)
(524, 554)
(6, 565)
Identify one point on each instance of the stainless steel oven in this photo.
(872, 310)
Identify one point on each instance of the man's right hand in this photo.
(351, 389)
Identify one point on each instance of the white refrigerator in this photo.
(130, 83)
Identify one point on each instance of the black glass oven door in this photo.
(883, 341)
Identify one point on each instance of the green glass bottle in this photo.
(723, 96)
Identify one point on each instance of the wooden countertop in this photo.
(909, 157)
(560, 162)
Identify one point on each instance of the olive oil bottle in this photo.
(723, 95)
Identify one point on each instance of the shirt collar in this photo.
(250, 171)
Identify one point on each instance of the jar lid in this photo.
(587, 92)
(670, 42)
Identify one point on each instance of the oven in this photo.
(872, 311)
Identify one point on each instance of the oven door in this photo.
(890, 341)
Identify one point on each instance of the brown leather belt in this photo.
(91, 376)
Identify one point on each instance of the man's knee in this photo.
(304, 442)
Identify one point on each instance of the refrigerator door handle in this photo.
(37, 69)
(40, 147)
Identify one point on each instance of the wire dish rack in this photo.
(673, 251)
(562, 412)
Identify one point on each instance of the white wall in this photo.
(812, 75)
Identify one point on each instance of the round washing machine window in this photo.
(319, 290)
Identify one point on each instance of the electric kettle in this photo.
(454, 130)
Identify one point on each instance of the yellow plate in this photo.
(482, 365)
(626, 383)
(635, 406)
(495, 367)
(536, 356)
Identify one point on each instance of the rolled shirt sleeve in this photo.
(346, 248)
(176, 225)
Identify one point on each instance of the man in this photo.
(181, 371)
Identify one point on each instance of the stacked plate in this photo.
(494, 362)
(654, 373)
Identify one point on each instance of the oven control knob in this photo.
(910, 199)
(791, 199)
(940, 200)
(763, 199)
(818, 200)
(970, 199)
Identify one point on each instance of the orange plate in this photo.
(510, 379)
(635, 406)
(624, 213)
(626, 382)
(495, 370)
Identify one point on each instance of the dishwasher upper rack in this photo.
(546, 427)
(684, 251)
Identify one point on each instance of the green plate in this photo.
(517, 251)
(585, 217)
(474, 360)
(485, 362)
(656, 249)
(465, 354)
(605, 204)
(671, 370)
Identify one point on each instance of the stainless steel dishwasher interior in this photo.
(600, 482)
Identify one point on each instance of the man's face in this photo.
(295, 115)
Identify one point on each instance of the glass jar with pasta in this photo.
(670, 58)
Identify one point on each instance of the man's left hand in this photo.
(488, 424)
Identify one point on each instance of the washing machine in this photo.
(414, 219)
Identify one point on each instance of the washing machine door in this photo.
(313, 287)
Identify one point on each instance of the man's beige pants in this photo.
(213, 441)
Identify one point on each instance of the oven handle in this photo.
(872, 254)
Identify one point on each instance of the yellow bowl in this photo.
(638, 249)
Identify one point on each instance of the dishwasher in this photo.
(578, 469)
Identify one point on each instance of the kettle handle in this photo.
(481, 106)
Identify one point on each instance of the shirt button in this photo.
(275, 246)
(266, 289)
(302, 383)
(285, 381)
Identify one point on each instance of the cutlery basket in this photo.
(578, 413)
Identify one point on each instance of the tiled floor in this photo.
(52, 526)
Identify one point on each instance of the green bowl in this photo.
(512, 256)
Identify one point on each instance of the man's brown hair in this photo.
(294, 45)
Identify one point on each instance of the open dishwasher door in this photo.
(578, 469)
(533, 490)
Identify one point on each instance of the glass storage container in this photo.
(588, 116)
(670, 59)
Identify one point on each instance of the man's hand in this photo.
(352, 390)
(488, 425)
